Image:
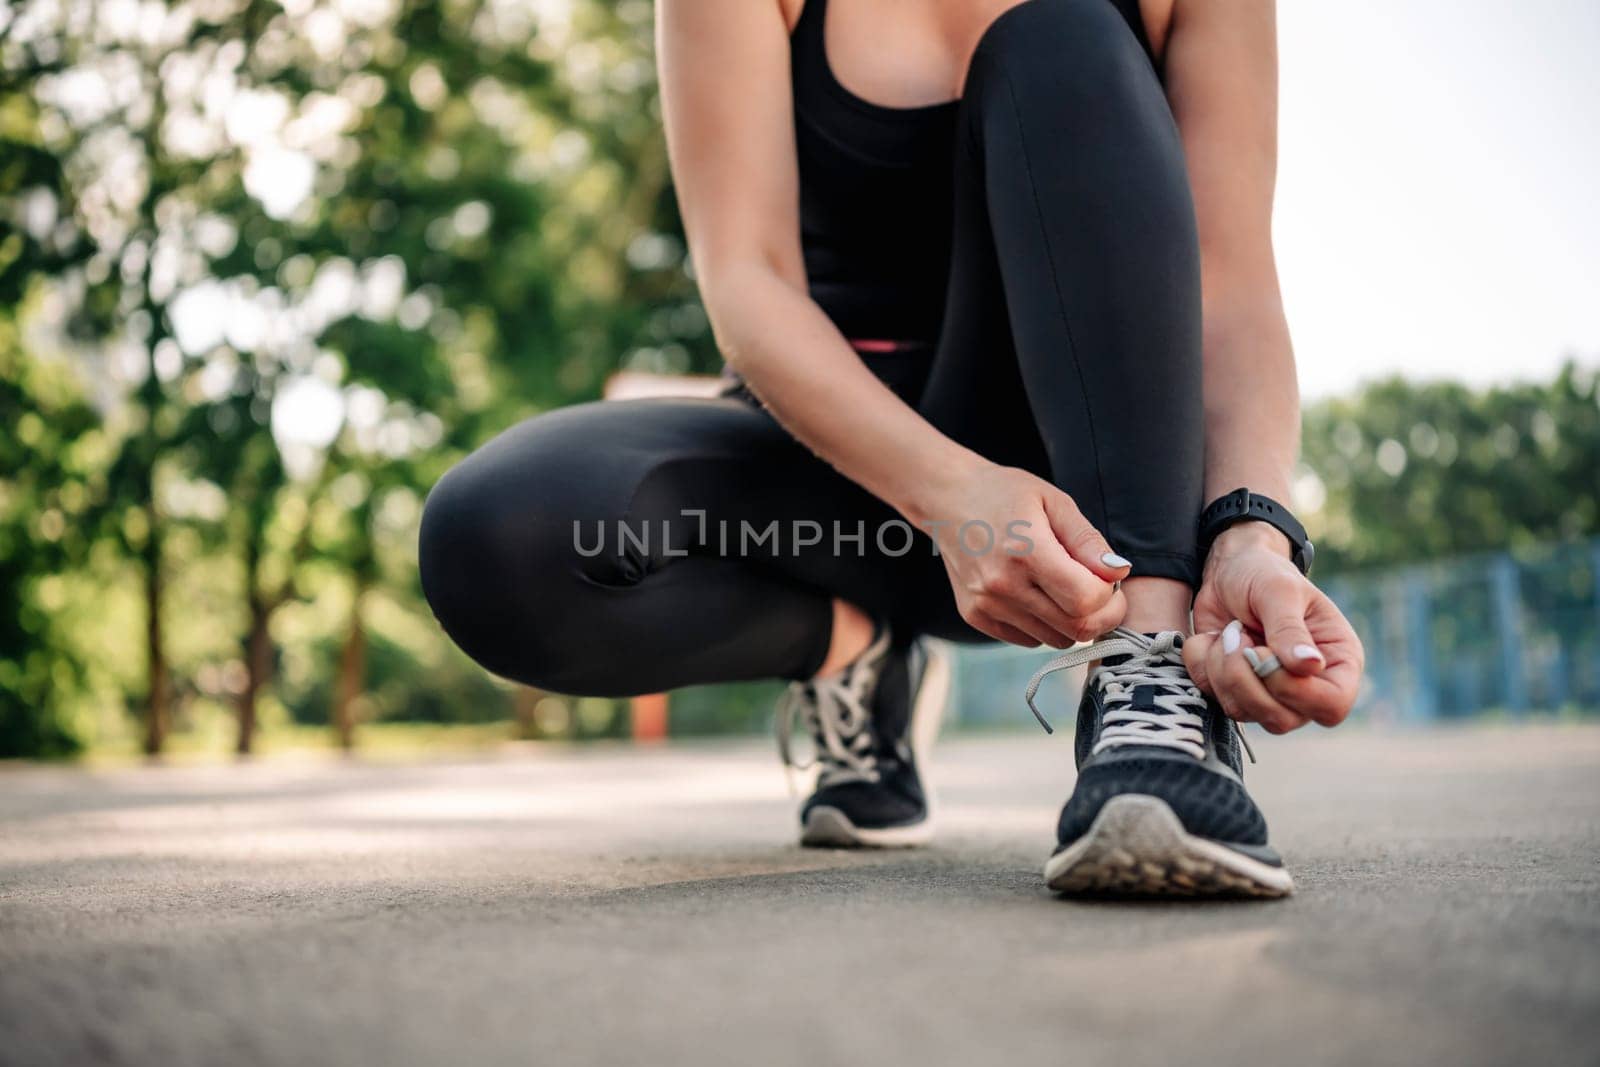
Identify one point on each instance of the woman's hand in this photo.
(1025, 565)
(1252, 595)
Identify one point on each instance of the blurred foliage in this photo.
(269, 267)
(45, 448)
(1404, 472)
(267, 270)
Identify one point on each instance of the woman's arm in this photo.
(1222, 81)
(1221, 65)
(727, 103)
(728, 109)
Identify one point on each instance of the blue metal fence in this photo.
(1491, 634)
(1495, 634)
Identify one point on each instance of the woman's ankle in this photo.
(853, 631)
(1157, 604)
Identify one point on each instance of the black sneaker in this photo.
(872, 723)
(1160, 806)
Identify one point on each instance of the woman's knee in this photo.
(494, 565)
(463, 555)
(1078, 46)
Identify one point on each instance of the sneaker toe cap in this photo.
(868, 805)
(1209, 804)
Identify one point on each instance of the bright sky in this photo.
(1439, 187)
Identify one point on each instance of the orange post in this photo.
(650, 717)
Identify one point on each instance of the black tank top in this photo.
(875, 194)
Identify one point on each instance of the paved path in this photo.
(620, 906)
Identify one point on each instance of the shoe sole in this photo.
(828, 827)
(1138, 847)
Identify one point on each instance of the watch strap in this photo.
(1242, 505)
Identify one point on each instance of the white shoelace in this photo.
(1176, 721)
(835, 711)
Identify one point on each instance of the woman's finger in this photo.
(1196, 649)
(1281, 604)
(1252, 697)
(1063, 628)
(1081, 540)
(1327, 696)
(1333, 633)
(1000, 631)
(1321, 698)
(1072, 587)
(1241, 693)
(1106, 618)
(1015, 611)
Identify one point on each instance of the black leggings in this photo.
(1070, 346)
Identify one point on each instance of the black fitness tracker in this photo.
(1242, 505)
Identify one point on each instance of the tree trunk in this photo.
(522, 705)
(352, 676)
(258, 662)
(156, 711)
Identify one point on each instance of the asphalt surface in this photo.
(622, 906)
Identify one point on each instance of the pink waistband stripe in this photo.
(877, 346)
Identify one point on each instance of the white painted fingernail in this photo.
(1111, 559)
(1231, 634)
(1308, 652)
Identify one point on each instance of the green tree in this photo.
(415, 221)
(1416, 471)
(46, 434)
